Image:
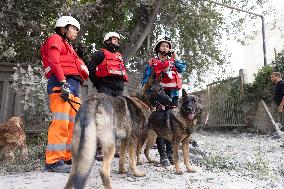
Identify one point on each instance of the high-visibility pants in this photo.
(61, 128)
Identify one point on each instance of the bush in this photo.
(278, 63)
(212, 162)
(261, 88)
(30, 84)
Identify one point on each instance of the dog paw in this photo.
(153, 161)
(139, 163)
(139, 174)
(191, 169)
(179, 172)
(123, 171)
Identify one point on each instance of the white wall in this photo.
(253, 52)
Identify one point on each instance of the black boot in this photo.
(162, 151)
(169, 148)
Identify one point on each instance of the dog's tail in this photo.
(83, 147)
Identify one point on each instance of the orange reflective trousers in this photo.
(61, 128)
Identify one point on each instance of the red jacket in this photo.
(64, 63)
(167, 73)
(112, 65)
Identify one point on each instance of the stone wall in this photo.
(258, 120)
(261, 121)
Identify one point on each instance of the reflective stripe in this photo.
(60, 116)
(168, 84)
(116, 72)
(47, 69)
(56, 147)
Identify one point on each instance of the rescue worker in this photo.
(65, 72)
(107, 69)
(107, 72)
(167, 68)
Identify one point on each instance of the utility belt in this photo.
(75, 77)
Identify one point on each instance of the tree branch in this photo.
(132, 49)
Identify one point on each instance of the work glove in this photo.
(65, 91)
(170, 53)
(173, 54)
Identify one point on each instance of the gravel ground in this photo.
(224, 160)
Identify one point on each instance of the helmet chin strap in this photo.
(164, 53)
(114, 46)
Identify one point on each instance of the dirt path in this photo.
(231, 161)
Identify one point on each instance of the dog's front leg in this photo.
(122, 156)
(132, 160)
(185, 151)
(176, 159)
(151, 139)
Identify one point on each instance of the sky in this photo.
(236, 50)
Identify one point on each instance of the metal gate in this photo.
(224, 103)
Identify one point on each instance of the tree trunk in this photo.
(131, 49)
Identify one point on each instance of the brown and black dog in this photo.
(12, 136)
(177, 130)
(106, 120)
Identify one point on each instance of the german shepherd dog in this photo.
(106, 119)
(178, 129)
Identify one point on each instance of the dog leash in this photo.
(72, 106)
(141, 102)
(70, 101)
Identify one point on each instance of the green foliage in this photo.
(212, 162)
(24, 24)
(195, 27)
(261, 88)
(30, 84)
(258, 165)
(278, 63)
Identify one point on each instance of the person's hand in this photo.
(173, 54)
(280, 108)
(176, 57)
(65, 91)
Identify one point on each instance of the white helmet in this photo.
(111, 34)
(65, 20)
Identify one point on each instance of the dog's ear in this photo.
(184, 93)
